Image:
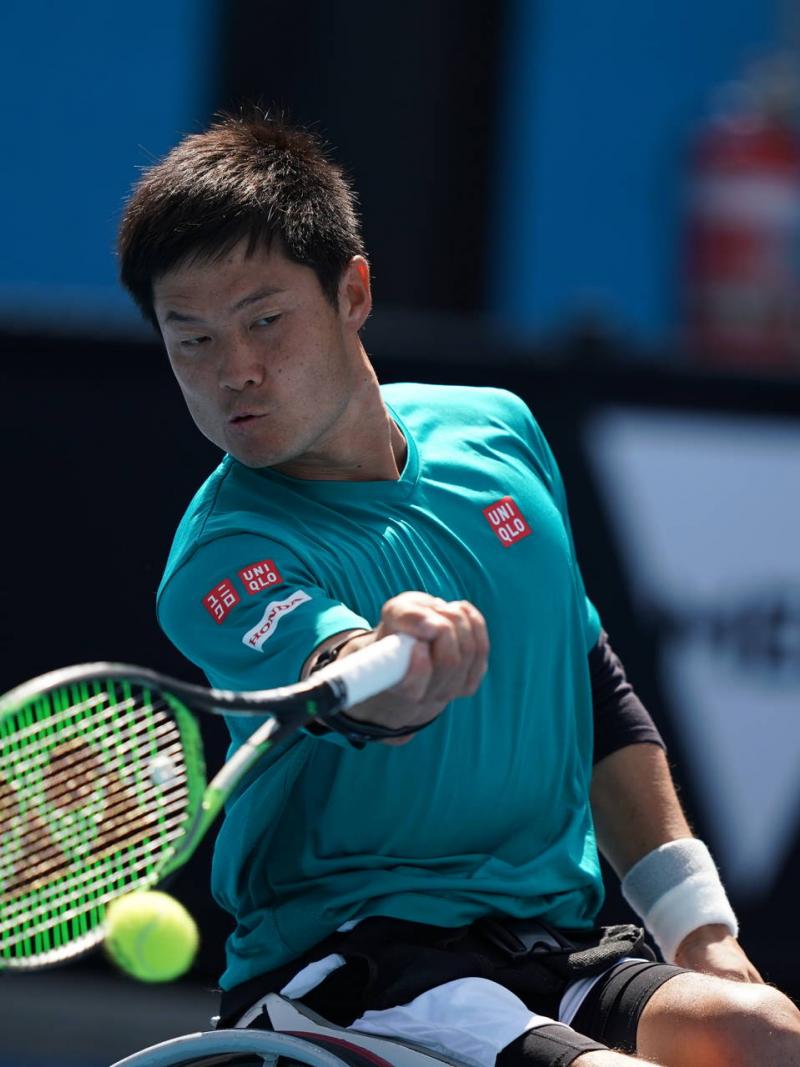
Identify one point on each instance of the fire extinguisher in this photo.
(742, 263)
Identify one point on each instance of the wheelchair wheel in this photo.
(234, 1048)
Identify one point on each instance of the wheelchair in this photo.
(299, 1037)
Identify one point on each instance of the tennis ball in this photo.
(150, 936)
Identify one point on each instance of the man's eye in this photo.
(193, 342)
(266, 320)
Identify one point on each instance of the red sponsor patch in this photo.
(507, 521)
(219, 601)
(258, 576)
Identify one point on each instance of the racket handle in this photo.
(370, 670)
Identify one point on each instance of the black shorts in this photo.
(390, 962)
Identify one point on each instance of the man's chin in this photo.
(253, 461)
(251, 453)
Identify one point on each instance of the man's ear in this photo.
(355, 293)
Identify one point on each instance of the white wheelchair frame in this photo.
(300, 1037)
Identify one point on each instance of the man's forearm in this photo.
(637, 813)
(635, 805)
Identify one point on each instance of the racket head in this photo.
(101, 774)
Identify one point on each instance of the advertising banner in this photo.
(706, 511)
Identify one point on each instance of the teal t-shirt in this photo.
(484, 811)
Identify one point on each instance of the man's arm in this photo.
(636, 809)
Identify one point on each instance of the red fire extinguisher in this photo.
(742, 266)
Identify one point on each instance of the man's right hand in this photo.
(448, 661)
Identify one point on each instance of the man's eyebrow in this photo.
(253, 298)
(176, 316)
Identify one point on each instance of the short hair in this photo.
(248, 177)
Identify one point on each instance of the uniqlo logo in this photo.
(258, 576)
(219, 601)
(507, 521)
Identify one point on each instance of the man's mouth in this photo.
(243, 418)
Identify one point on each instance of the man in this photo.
(408, 887)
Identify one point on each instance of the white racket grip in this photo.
(372, 669)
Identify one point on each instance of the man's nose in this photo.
(240, 366)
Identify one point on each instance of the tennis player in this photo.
(441, 886)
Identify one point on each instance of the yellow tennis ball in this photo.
(150, 936)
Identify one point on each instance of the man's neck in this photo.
(367, 445)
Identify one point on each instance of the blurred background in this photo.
(595, 204)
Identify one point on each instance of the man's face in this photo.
(266, 364)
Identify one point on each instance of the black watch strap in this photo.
(356, 732)
(331, 654)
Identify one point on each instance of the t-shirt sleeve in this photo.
(248, 613)
(547, 468)
(620, 718)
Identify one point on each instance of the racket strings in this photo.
(76, 753)
(81, 786)
(89, 891)
(42, 879)
(93, 793)
(25, 749)
(44, 850)
(77, 778)
(44, 717)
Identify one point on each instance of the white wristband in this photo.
(675, 889)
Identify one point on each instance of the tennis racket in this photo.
(103, 787)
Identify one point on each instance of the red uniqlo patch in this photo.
(507, 521)
(258, 576)
(219, 601)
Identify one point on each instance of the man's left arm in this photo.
(643, 833)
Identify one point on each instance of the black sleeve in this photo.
(620, 718)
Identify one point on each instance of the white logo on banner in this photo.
(273, 613)
(707, 512)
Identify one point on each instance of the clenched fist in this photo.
(448, 661)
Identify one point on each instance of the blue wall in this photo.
(91, 91)
(599, 101)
